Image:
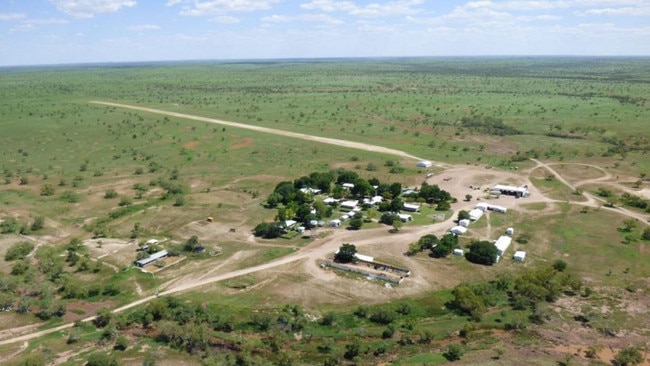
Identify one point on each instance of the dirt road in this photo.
(325, 140)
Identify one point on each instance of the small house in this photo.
(475, 214)
(502, 245)
(349, 205)
(335, 223)
(510, 231)
(411, 207)
(519, 256)
(458, 230)
(405, 218)
(463, 222)
(424, 164)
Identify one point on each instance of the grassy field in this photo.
(93, 170)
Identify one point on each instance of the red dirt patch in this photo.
(247, 142)
(191, 145)
(88, 308)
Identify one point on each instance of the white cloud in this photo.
(226, 19)
(88, 8)
(308, 18)
(11, 16)
(46, 21)
(143, 27)
(390, 8)
(626, 11)
(199, 8)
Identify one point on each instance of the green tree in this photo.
(397, 225)
(356, 223)
(628, 356)
(454, 352)
(445, 246)
(192, 244)
(103, 317)
(346, 253)
(463, 215)
(482, 252)
(468, 197)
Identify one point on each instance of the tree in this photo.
(468, 197)
(628, 225)
(628, 356)
(346, 253)
(454, 352)
(267, 230)
(356, 223)
(482, 252)
(103, 317)
(445, 246)
(191, 244)
(397, 224)
(424, 243)
(646, 234)
(388, 218)
(463, 215)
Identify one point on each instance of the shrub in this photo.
(19, 250)
(454, 352)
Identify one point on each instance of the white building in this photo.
(459, 252)
(463, 223)
(458, 230)
(349, 205)
(335, 223)
(411, 207)
(520, 256)
(405, 217)
(511, 190)
(424, 164)
(475, 214)
(502, 244)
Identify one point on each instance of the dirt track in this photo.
(302, 136)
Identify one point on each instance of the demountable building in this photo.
(511, 190)
(475, 214)
(152, 258)
(424, 164)
(411, 207)
(405, 218)
(463, 223)
(459, 252)
(520, 256)
(510, 231)
(502, 245)
(335, 223)
(458, 230)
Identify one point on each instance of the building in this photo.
(458, 230)
(405, 218)
(411, 207)
(502, 245)
(475, 214)
(152, 258)
(511, 190)
(348, 185)
(459, 252)
(520, 256)
(463, 223)
(424, 164)
(335, 223)
(349, 205)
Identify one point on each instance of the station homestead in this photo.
(497, 213)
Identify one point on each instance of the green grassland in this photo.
(494, 112)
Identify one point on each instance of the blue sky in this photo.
(34, 32)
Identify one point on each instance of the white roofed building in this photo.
(502, 244)
(475, 214)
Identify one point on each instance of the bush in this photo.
(19, 250)
(454, 352)
(101, 359)
(111, 193)
(121, 343)
(383, 316)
